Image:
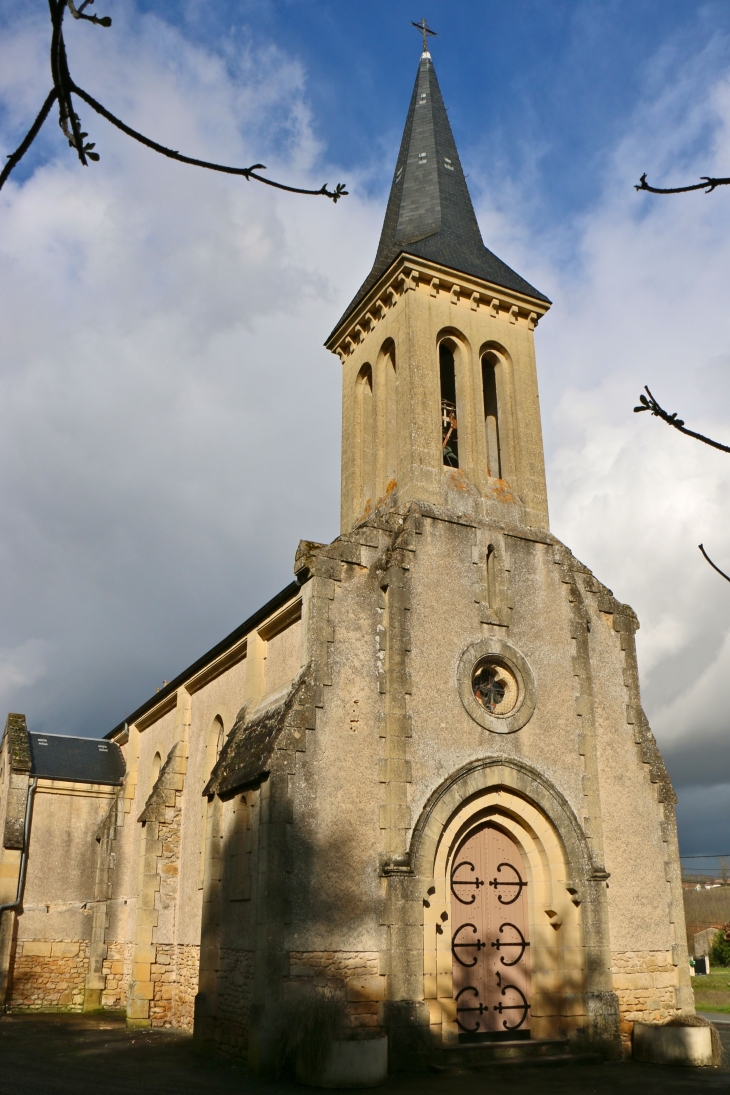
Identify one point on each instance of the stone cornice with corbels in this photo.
(418, 275)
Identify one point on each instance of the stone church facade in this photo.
(421, 775)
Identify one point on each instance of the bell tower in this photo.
(440, 398)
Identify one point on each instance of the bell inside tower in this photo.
(449, 425)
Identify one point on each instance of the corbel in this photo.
(379, 309)
(513, 313)
(358, 333)
(474, 301)
(390, 297)
(494, 308)
(434, 287)
(401, 285)
(412, 282)
(532, 321)
(369, 321)
(349, 346)
(455, 292)
(341, 354)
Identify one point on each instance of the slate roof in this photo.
(245, 758)
(240, 632)
(76, 760)
(429, 213)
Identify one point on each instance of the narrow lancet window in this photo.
(391, 427)
(449, 432)
(155, 771)
(491, 577)
(364, 436)
(491, 416)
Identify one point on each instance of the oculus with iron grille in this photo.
(496, 685)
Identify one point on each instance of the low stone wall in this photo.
(174, 975)
(49, 976)
(355, 972)
(117, 972)
(645, 983)
(234, 1001)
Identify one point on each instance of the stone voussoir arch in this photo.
(486, 774)
(587, 882)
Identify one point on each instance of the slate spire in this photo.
(429, 213)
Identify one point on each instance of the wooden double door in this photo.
(490, 943)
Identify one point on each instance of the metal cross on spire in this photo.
(425, 31)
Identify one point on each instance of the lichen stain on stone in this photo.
(503, 492)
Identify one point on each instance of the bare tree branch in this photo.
(709, 560)
(708, 184)
(15, 157)
(78, 13)
(247, 172)
(64, 87)
(651, 404)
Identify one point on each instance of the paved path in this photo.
(80, 1055)
(721, 1019)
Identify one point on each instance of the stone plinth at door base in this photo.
(362, 1063)
(672, 1045)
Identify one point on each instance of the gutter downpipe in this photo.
(23, 863)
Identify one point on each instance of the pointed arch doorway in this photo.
(490, 942)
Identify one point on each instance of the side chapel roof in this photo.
(429, 213)
(78, 760)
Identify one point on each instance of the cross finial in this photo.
(425, 30)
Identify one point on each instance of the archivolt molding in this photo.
(489, 774)
(517, 799)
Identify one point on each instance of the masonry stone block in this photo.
(36, 949)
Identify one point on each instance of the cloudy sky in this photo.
(169, 420)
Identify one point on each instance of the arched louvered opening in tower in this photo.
(491, 415)
(449, 426)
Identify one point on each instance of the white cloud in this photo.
(643, 299)
(162, 331)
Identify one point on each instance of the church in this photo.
(418, 784)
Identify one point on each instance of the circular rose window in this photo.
(495, 687)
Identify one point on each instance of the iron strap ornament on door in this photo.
(475, 882)
(481, 1009)
(519, 882)
(468, 999)
(476, 944)
(521, 943)
(496, 882)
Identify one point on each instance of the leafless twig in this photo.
(20, 151)
(247, 172)
(651, 404)
(708, 184)
(709, 560)
(63, 89)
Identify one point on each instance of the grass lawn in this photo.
(712, 992)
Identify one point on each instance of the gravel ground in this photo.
(78, 1055)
